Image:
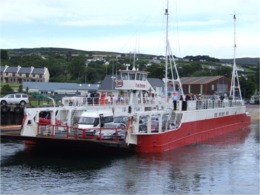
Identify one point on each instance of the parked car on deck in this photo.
(121, 121)
(111, 131)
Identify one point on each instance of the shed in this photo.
(60, 88)
(207, 85)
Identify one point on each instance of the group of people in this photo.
(190, 96)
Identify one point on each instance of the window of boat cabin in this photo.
(144, 77)
(138, 76)
(131, 76)
(141, 77)
(125, 76)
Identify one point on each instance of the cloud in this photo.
(196, 27)
(93, 22)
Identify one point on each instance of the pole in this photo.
(166, 53)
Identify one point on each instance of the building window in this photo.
(212, 87)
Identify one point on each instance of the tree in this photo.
(247, 87)
(91, 75)
(155, 71)
(6, 89)
(77, 67)
(189, 69)
(200, 73)
(20, 89)
(223, 70)
(4, 54)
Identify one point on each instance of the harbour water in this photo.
(228, 164)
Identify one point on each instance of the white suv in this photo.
(20, 99)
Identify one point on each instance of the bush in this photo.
(6, 89)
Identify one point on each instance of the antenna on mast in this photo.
(234, 80)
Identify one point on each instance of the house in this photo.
(13, 74)
(207, 85)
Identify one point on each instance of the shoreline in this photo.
(254, 112)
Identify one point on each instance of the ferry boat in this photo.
(153, 123)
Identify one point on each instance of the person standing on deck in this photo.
(174, 99)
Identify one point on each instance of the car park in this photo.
(18, 98)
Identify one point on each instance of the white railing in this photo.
(96, 101)
(207, 104)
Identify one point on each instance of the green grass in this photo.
(12, 85)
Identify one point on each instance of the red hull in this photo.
(191, 133)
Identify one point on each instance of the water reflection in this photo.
(223, 165)
(62, 160)
(189, 168)
(257, 132)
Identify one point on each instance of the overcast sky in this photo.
(201, 27)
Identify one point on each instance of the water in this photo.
(225, 165)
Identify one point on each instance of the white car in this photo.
(18, 98)
(111, 131)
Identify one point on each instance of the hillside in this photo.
(51, 50)
(64, 51)
(242, 61)
(68, 65)
(59, 51)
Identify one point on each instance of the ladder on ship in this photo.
(172, 117)
(171, 120)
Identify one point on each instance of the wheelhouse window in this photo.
(138, 76)
(125, 76)
(132, 76)
(144, 77)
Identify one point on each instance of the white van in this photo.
(95, 119)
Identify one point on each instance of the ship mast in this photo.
(234, 80)
(166, 53)
(169, 59)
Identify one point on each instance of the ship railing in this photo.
(67, 132)
(52, 130)
(207, 104)
(151, 122)
(109, 134)
(97, 101)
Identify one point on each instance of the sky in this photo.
(201, 27)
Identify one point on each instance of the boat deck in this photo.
(46, 135)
